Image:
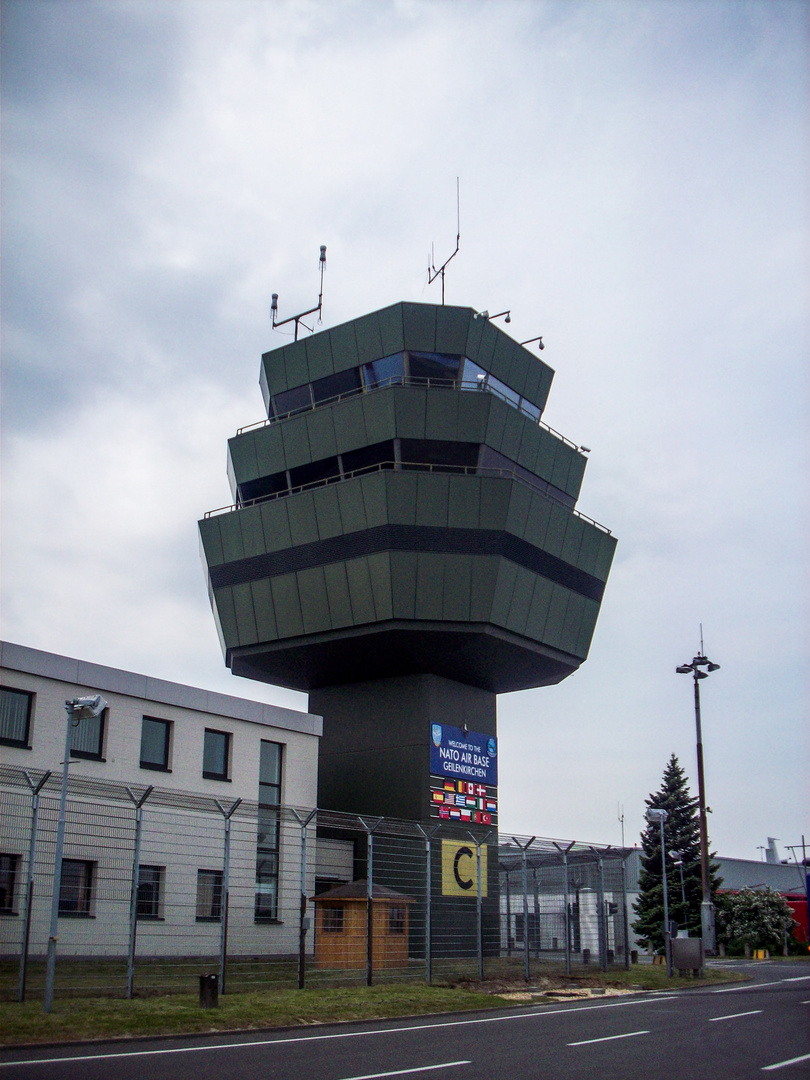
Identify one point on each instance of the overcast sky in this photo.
(633, 186)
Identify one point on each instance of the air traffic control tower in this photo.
(404, 545)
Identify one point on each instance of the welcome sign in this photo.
(463, 755)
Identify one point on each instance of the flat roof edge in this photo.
(30, 661)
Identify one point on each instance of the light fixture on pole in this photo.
(83, 708)
(530, 340)
(695, 669)
(677, 858)
(657, 814)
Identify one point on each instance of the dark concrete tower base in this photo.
(375, 752)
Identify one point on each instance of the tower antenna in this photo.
(433, 273)
(297, 318)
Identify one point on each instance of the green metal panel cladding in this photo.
(409, 525)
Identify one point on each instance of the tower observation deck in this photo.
(404, 542)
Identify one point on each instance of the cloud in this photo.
(633, 186)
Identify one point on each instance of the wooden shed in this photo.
(341, 922)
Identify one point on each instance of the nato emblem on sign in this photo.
(436, 734)
(492, 747)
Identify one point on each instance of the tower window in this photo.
(430, 365)
(388, 369)
(339, 385)
(292, 401)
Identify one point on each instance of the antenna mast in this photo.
(297, 318)
(433, 273)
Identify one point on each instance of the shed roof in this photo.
(358, 890)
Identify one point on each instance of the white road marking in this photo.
(733, 1016)
(782, 1064)
(540, 1013)
(756, 986)
(404, 1072)
(608, 1038)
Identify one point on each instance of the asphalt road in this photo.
(734, 1032)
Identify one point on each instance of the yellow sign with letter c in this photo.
(460, 868)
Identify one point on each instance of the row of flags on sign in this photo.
(463, 801)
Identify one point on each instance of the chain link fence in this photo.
(159, 887)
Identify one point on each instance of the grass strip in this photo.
(87, 1019)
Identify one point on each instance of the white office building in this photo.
(212, 837)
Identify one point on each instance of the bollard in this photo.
(209, 991)
(586, 956)
(634, 956)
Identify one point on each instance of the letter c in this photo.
(463, 883)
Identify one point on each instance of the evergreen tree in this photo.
(682, 835)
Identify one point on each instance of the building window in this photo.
(155, 740)
(266, 896)
(8, 883)
(76, 887)
(396, 920)
(269, 773)
(216, 754)
(209, 895)
(267, 832)
(87, 737)
(150, 892)
(332, 918)
(15, 716)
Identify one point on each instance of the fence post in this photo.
(479, 901)
(566, 886)
(507, 877)
(302, 923)
(601, 922)
(133, 894)
(524, 849)
(428, 897)
(625, 920)
(225, 898)
(29, 893)
(536, 899)
(369, 898)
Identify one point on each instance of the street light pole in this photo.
(659, 815)
(79, 709)
(706, 906)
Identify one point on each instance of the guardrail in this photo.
(406, 466)
(408, 380)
